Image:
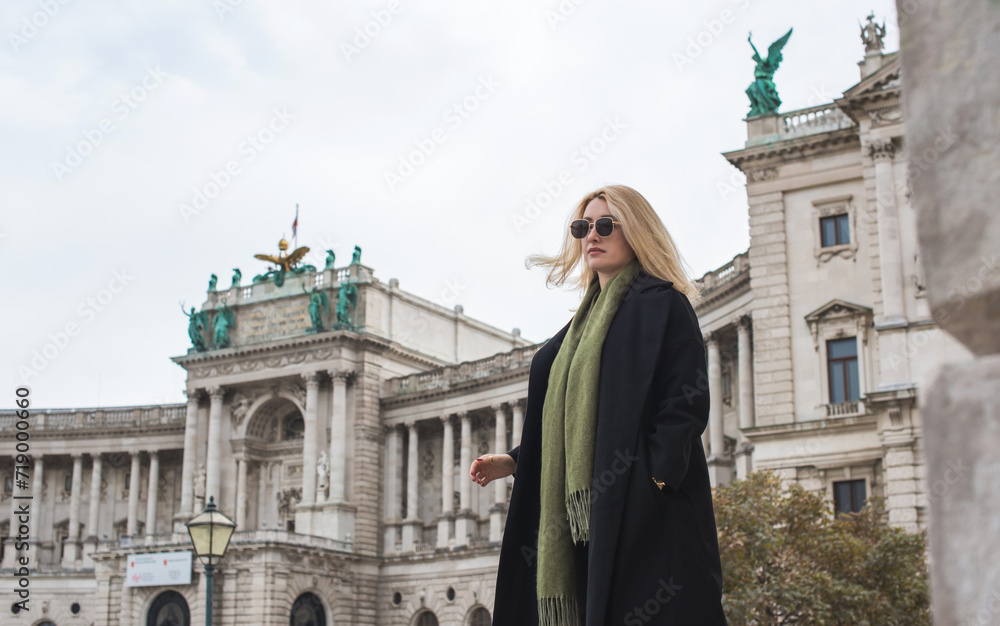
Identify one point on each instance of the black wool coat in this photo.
(653, 554)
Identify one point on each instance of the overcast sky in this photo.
(418, 131)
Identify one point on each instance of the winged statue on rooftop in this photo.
(763, 94)
(283, 263)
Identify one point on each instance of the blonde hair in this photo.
(643, 231)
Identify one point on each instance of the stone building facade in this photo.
(342, 454)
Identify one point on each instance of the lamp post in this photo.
(210, 533)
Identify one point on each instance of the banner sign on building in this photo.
(158, 568)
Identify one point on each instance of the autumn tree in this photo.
(787, 559)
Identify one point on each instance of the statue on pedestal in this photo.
(872, 34)
(357, 255)
(224, 320)
(347, 298)
(322, 474)
(763, 94)
(330, 259)
(199, 488)
(212, 282)
(237, 276)
(197, 321)
(319, 304)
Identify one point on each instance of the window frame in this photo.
(832, 207)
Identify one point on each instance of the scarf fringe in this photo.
(562, 611)
(578, 508)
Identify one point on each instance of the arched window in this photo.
(480, 617)
(169, 609)
(307, 611)
(427, 619)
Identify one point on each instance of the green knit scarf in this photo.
(569, 425)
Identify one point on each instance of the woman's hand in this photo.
(490, 467)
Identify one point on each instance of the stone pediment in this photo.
(877, 96)
(837, 309)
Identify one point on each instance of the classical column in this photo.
(38, 482)
(262, 494)
(190, 455)
(447, 482)
(746, 372)
(241, 494)
(9, 553)
(411, 526)
(151, 493)
(890, 259)
(96, 471)
(463, 524)
(338, 435)
(71, 548)
(517, 419)
(499, 486)
(133, 495)
(392, 496)
(715, 432)
(719, 467)
(310, 442)
(744, 460)
(213, 466)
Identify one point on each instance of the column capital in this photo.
(410, 425)
(312, 379)
(711, 337)
(216, 393)
(498, 407)
(390, 428)
(463, 415)
(153, 453)
(344, 376)
(445, 419)
(881, 149)
(745, 322)
(77, 456)
(193, 394)
(96, 456)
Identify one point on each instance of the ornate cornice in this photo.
(758, 159)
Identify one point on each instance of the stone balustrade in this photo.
(96, 418)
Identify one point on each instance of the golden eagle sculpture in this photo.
(283, 263)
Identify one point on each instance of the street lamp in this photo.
(210, 533)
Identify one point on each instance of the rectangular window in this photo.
(849, 495)
(842, 365)
(834, 230)
(68, 484)
(8, 484)
(128, 479)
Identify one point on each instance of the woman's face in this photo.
(605, 255)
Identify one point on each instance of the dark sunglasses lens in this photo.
(604, 226)
(579, 228)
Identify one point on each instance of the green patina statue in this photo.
(357, 255)
(237, 277)
(763, 94)
(319, 304)
(212, 281)
(330, 259)
(225, 319)
(347, 299)
(197, 321)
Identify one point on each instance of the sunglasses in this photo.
(604, 227)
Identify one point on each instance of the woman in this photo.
(611, 518)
